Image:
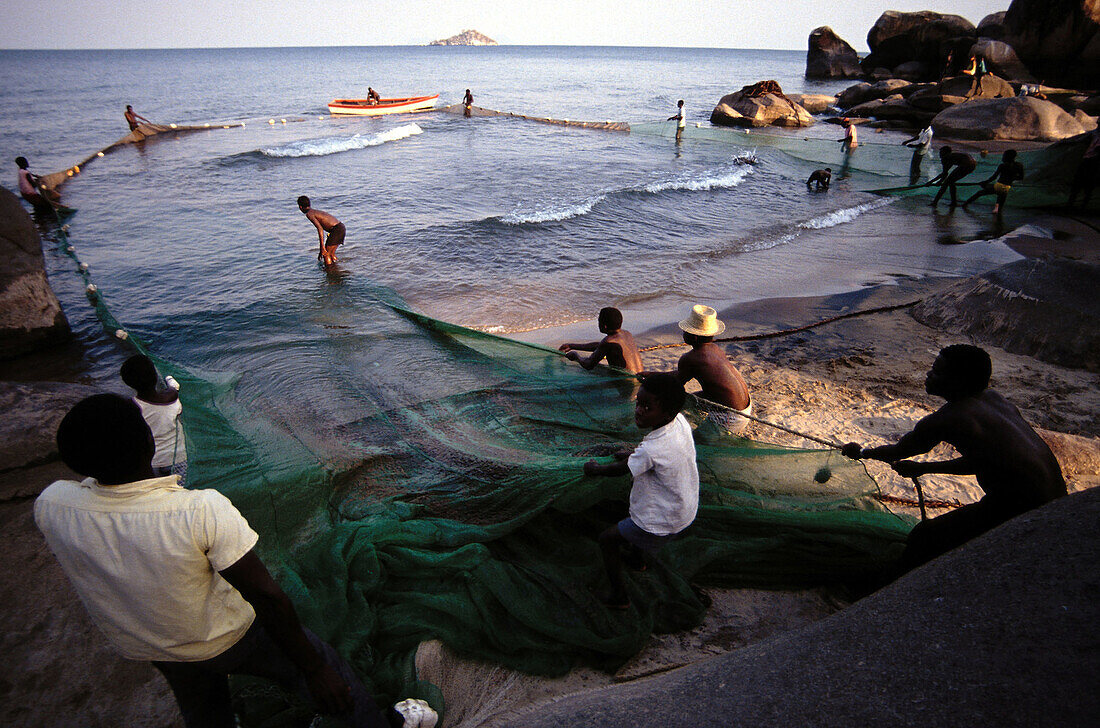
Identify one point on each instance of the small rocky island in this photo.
(465, 38)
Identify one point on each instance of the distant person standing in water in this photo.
(617, 345)
(820, 178)
(325, 223)
(956, 165)
(921, 144)
(467, 102)
(848, 144)
(680, 119)
(1006, 173)
(132, 117)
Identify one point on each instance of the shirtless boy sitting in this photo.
(617, 346)
(325, 223)
(707, 363)
(1012, 464)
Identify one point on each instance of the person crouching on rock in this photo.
(1013, 465)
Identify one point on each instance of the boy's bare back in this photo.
(720, 381)
(322, 219)
(622, 352)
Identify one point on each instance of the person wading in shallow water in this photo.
(325, 223)
(1014, 467)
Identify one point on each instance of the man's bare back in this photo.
(617, 346)
(1005, 455)
(720, 381)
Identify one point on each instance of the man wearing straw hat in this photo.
(707, 363)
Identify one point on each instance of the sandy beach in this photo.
(859, 379)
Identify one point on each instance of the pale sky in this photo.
(776, 24)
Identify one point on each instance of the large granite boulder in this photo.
(1048, 311)
(863, 92)
(1001, 59)
(898, 38)
(992, 26)
(813, 103)
(892, 108)
(30, 315)
(1018, 118)
(956, 90)
(830, 56)
(752, 106)
(1058, 40)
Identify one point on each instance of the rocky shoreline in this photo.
(917, 75)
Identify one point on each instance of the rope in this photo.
(929, 502)
(785, 332)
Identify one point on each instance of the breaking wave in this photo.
(839, 217)
(335, 145)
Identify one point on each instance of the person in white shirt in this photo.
(162, 410)
(679, 118)
(170, 575)
(664, 498)
(921, 144)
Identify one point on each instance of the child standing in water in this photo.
(325, 223)
(161, 410)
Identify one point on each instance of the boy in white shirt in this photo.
(162, 410)
(665, 496)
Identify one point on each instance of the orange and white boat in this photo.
(364, 107)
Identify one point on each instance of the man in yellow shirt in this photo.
(169, 575)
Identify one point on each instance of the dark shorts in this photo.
(643, 539)
(336, 235)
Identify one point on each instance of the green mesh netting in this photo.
(412, 479)
(884, 168)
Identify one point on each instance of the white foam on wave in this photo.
(832, 219)
(839, 217)
(553, 213)
(335, 145)
(726, 179)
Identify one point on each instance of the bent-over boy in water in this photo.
(617, 346)
(325, 223)
(1013, 465)
(820, 179)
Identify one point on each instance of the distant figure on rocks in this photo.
(948, 65)
(956, 165)
(372, 96)
(977, 70)
(679, 118)
(467, 102)
(1007, 172)
(161, 409)
(819, 179)
(132, 117)
(664, 498)
(617, 345)
(1013, 465)
(325, 223)
(921, 144)
(1088, 171)
(32, 189)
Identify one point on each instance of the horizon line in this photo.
(397, 45)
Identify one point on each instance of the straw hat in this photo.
(703, 321)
